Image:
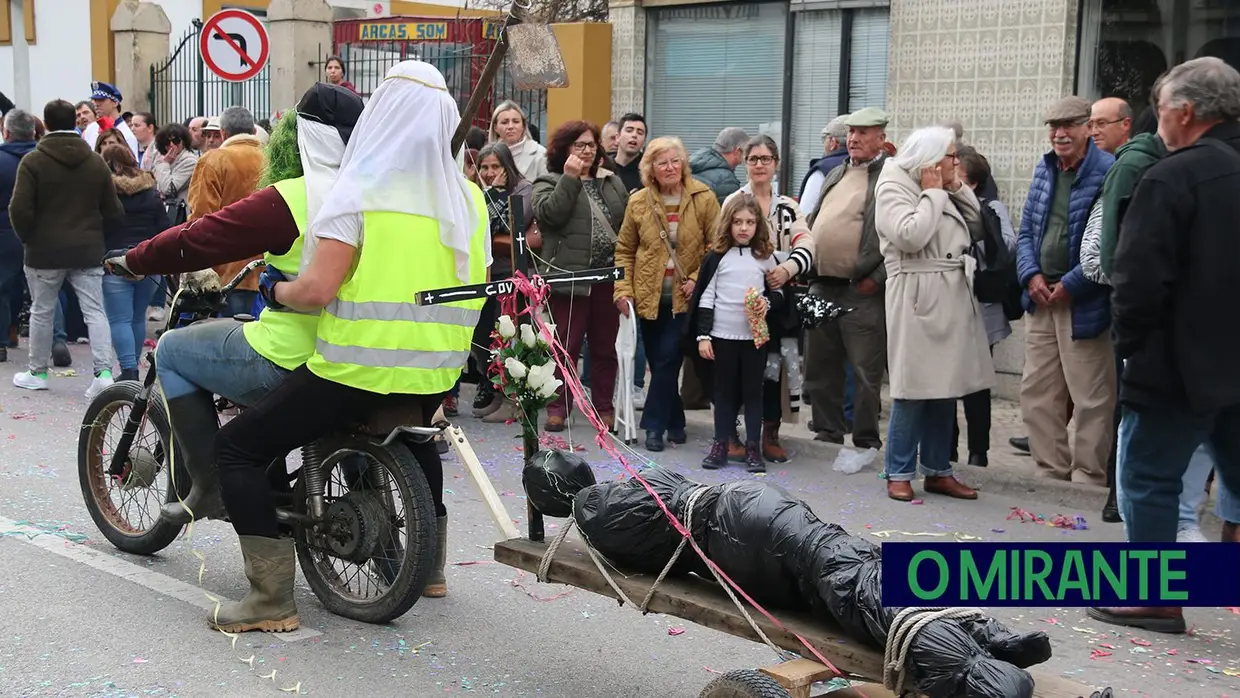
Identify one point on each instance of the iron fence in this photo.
(460, 52)
(182, 87)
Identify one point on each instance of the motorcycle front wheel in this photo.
(125, 507)
(371, 558)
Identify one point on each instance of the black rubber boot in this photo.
(437, 585)
(194, 425)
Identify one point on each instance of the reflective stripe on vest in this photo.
(373, 336)
(286, 337)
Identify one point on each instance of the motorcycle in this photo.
(359, 506)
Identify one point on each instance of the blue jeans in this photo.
(920, 423)
(1226, 504)
(1192, 485)
(214, 356)
(662, 337)
(125, 303)
(1157, 452)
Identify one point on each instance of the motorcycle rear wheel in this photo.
(416, 555)
(148, 471)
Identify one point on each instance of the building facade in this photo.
(787, 67)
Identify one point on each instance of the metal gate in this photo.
(182, 87)
(458, 47)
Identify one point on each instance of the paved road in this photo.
(81, 619)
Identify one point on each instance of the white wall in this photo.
(60, 58)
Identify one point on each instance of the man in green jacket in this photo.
(1131, 161)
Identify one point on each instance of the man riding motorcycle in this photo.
(400, 219)
(244, 361)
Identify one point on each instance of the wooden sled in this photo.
(704, 603)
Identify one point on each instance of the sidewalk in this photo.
(1010, 471)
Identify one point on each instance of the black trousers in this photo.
(977, 419)
(739, 367)
(303, 408)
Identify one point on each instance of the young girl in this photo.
(741, 257)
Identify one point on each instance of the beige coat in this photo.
(936, 340)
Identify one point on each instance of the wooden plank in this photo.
(465, 452)
(705, 604)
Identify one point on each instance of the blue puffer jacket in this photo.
(1091, 302)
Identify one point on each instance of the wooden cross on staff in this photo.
(504, 287)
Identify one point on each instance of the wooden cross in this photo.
(505, 287)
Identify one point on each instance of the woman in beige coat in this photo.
(936, 342)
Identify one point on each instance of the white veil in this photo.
(321, 150)
(399, 160)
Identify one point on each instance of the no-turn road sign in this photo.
(234, 45)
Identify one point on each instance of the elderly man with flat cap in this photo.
(1069, 358)
(849, 271)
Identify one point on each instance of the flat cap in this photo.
(870, 116)
(1067, 109)
(836, 128)
(213, 124)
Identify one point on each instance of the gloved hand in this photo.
(267, 286)
(114, 263)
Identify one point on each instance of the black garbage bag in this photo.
(622, 521)
(774, 547)
(552, 478)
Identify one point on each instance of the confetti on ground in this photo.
(1052, 621)
(1098, 654)
(1103, 644)
(924, 534)
(675, 631)
(997, 530)
(1089, 631)
(1074, 523)
(517, 583)
(1139, 642)
(918, 501)
(51, 529)
(139, 660)
(469, 563)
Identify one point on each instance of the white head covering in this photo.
(399, 160)
(322, 150)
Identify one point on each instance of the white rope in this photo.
(544, 566)
(907, 623)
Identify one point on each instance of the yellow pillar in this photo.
(586, 47)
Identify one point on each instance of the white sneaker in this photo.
(1190, 533)
(98, 385)
(30, 381)
(639, 397)
(155, 315)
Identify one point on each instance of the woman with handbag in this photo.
(173, 168)
(667, 227)
(578, 206)
(927, 220)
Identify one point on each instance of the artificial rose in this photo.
(528, 338)
(540, 375)
(516, 369)
(550, 388)
(507, 330)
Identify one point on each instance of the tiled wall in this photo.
(993, 64)
(628, 56)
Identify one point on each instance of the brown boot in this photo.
(736, 451)
(437, 585)
(900, 490)
(554, 424)
(609, 421)
(1158, 619)
(771, 448)
(950, 486)
(1231, 532)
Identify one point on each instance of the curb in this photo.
(1005, 480)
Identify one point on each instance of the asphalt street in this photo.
(82, 619)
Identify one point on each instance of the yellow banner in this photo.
(492, 30)
(403, 31)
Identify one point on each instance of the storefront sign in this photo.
(403, 31)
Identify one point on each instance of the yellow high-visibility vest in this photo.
(373, 336)
(286, 337)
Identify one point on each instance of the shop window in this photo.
(1127, 44)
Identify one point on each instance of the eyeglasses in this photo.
(585, 145)
(954, 156)
(668, 164)
(1099, 123)
(760, 160)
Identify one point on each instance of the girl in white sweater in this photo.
(742, 255)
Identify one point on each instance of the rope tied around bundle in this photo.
(907, 623)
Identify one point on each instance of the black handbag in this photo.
(178, 212)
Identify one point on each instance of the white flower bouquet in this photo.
(525, 371)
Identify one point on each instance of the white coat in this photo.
(936, 339)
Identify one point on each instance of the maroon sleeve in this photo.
(261, 222)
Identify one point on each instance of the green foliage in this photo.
(283, 155)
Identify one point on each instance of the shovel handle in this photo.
(489, 71)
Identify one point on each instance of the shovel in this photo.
(536, 64)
